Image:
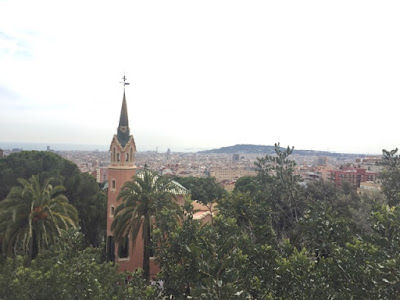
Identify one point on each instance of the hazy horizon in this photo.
(105, 147)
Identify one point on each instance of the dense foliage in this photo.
(277, 239)
(70, 273)
(32, 217)
(204, 190)
(273, 238)
(81, 189)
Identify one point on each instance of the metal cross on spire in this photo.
(124, 83)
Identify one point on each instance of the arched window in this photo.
(113, 154)
(127, 157)
(118, 156)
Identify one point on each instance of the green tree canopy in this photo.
(81, 189)
(279, 187)
(390, 176)
(204, 190)
(33, 215)
(73, 272)
(246, 184)
(273, 239)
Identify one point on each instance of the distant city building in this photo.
(370, 163)
(230, 174)
(168, 154)
(369, 186)
(311, 176)
(235, 157)
(355, 176)
(322, 161)
(100, 174)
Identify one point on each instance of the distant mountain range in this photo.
(265, 150)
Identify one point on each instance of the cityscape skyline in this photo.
(19, 146)
(318, 76)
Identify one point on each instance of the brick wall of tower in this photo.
(119, 176)
(121, 170)
(135, 254)
(135, 258)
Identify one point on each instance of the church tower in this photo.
(127, 254)
(122, 168)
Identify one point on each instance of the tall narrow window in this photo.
(123, 248)
(117, 156)
(113, 185)
(127, 157)
(151, 251)
(112, 210)
(110, 248)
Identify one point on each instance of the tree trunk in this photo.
(35, 246)
(146, 253)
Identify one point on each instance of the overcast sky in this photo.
(321, 75)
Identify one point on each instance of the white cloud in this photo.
(212, 73)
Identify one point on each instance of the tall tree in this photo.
(33, 215)
(91, 204)
(143, 198)
(279, 186)
(390, 176)
(82, 190)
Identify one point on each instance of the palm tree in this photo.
(142, 200)
(33, 215)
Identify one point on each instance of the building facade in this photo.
(355, 176)
(121, 169)
(229, 174)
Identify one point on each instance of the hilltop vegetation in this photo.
(242, 148)
(268, 150)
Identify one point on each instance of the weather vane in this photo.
(124, 83)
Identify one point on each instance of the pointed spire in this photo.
(123, 128)
(123, 119)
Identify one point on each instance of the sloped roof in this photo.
(123, 119)
(123, 128)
